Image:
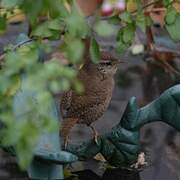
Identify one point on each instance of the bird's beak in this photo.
(119, 62)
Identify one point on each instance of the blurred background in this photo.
(142, 76)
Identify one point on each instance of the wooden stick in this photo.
(2, 57)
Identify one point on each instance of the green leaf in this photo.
(76, 24)
(114, 19)
(173, 29)
(10, 3)
(103, 28)
(2, 24)
(42, 78)
(121, 47)
(126, 17)
(170, 16)
(32, 10)
(56, 8)
(94, 51)
(166, 2)
(42, 31)
(74, 50)
(125, 37)
(56, 24)
(128, 33)
(149, 21)
(141, 21)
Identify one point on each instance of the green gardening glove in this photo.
(121, 146)
(166, 108)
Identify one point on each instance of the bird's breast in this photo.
(102, 96)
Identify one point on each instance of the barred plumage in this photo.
(98, 86)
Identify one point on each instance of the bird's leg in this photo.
(66, 140)
(95, 133)
(67, 125)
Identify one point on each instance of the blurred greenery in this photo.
(61, 20)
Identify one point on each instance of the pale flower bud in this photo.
(120, 5)
(107, 9)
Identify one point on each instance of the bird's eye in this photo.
(70, 65)
(109, 63)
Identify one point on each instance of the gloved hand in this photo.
(166, 108)
(121, 146)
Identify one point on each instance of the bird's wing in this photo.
(74, 105)
(66, 103)
(73, 102)
(87, 101)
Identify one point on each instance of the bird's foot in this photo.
(96, 138)
(66, 141)
(95, 133)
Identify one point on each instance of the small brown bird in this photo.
(98, 82)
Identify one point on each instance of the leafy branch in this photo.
(60, 21)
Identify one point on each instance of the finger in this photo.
(85, 150)
(130, 115)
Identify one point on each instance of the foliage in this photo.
(61, 19)
(45, 79)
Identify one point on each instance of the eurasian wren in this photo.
(98, 82)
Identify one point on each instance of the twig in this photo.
(170, 68)
(133, 12)
(21, 44)
(156, 10)
(152, 3)
(1, 57)
(15, 47)
(14, 15)
(146, 6)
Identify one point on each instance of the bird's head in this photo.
(108, 64)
